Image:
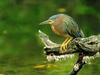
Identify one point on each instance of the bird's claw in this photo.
(63, 48)
(64, 45)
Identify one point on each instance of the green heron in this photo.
(65, 26)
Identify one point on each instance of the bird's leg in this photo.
(64, 45)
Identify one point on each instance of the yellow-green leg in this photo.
(64, 45)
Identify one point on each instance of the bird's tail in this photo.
(82, 33)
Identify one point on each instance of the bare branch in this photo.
(88, 46)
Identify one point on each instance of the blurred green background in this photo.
(20, 47)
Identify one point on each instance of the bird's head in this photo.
(57, 19)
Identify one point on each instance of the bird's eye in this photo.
(51, 21)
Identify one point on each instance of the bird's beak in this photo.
(44, 22)
(47, 22)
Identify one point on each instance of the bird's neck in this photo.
(54, 29)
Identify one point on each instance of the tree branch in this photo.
(78, 65)
(88, 46)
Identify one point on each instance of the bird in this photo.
(65, 26)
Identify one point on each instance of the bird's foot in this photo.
(64, 45)
(63, 48)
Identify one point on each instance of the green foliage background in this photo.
(20, 46)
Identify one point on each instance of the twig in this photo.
(79, 64)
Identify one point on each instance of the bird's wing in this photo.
(72, 28)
